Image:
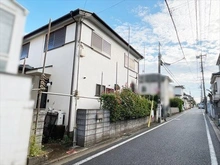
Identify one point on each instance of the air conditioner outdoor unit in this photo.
(60, 116)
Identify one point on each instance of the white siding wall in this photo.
(70, 31)
(62, 60)
(94, 63)
(36, 52)
(178, 91)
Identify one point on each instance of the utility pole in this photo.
(159, 84)
(128, 58)
(203, 81)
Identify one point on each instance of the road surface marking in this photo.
(126, 141)
(211, 148)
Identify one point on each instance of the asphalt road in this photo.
(179, 141)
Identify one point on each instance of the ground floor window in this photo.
(100, 89)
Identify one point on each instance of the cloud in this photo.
(197, 37)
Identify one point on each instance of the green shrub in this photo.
(112, 103)
(177, 102)
(154, 98)
(125, 105)
(35, 150)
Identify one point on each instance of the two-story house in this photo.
(215, 91)
(85, 58)
(178, 91)
(187, 99)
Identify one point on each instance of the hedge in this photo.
(125, 105)
(177, 102)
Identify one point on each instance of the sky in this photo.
(197, 25)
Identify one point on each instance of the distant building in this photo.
(188, 101)
(178, 91)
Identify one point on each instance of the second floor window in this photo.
(57, 38)
(101, 45)
(132, 62)
(25, 51)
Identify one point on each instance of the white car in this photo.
(201, 106)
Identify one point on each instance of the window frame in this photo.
(26, 56)
(98, 93)
(126, 58)
(53, 35)
(103, 42)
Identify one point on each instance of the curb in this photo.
(215, 128)
(63, 157)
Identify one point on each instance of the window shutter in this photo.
(96, 41)
(131, 64)
(106, 47)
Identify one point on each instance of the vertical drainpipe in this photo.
(73, 69)
(77, 72)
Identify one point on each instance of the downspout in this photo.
(72, 79)
(77, 77)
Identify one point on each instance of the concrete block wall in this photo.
(40, 126)
(174, 110)
(94, 126)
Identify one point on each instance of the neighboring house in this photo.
(215, 92)
(178, 91)
(85, 58)
(188, 101)
(149, 85)
(16, 108)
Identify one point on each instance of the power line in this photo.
(111, 6)
(190, 18)
(171, 74)
(197, 33)
(177, 35)
(177, 61)
(174, 27)
(200, 29)
(85, 4)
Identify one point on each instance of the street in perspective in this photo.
(187, 138)
(117, 82)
